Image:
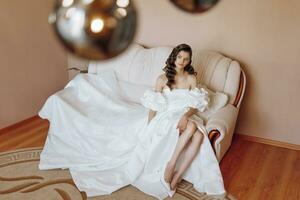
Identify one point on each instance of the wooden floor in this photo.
(251, 171)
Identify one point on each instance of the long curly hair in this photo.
(170, 70)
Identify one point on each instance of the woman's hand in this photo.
(151, 115)
(181, 126)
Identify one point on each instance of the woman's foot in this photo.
(175, 180)
(169, 172)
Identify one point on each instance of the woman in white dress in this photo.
(173, 137)
(108, 143)
(179, 74)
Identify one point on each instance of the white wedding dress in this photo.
(106, 143)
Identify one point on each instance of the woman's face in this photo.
(183, 58)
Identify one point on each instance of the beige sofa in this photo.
(138, 68)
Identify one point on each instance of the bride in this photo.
(108, 143)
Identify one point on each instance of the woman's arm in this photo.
(158, 88)
(184, 119)
(190, 112)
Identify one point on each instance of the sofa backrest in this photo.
(137, 65)
(142, 66)
(217, 72)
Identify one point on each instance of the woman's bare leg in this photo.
(189, 155)
(181, 143)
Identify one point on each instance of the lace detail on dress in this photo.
(198, 98)
(154, 100)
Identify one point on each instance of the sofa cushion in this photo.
(217, 100)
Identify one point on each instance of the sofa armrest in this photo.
(220, 127)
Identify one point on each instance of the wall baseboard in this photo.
(268, 141)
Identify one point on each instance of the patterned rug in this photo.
(20, 179)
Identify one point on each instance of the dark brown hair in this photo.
(169, 69)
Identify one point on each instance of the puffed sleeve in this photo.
(198, 98)
(153, 100)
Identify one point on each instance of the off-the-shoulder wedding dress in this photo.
(106, 142)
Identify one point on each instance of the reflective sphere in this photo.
(194, 6)
(95, 29)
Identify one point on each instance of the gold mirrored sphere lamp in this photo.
(94, 29)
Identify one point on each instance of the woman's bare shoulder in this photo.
(162, 78)
(192, 80)
(191, 77)
(160, 82)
